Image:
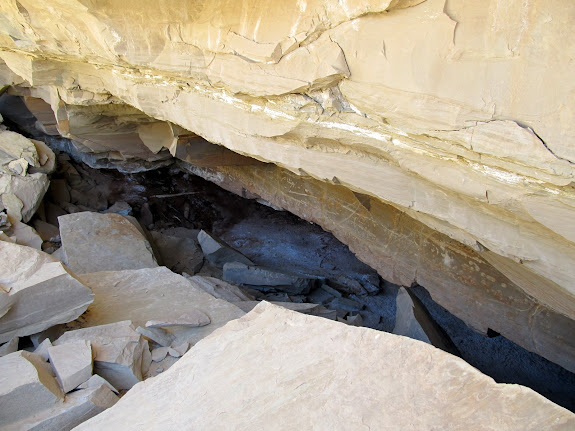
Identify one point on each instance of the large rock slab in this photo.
(151, 294)
(378, 381)
(104, 242)
(121, 355)
(27, 387)
(36, 292)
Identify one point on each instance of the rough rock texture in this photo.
(275, 369)
(457, 115)
(121, 356)
(104, 242)
(36, 292)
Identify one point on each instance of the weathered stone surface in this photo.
(218, 253)
(143, 295)
(25, 235)
(421, 387)
(259, 276)
(39, 292)
(72, 363)
(77, 408)
(412, 320)
(305, 308)
(42, 349)
(103, 242)
(192, 318)
(121, 356)
(26, 387)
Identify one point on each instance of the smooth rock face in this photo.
(72, 363)
(103, 242)
(26, 386)
(379, 381)
(148, 294)
(39, 292)
(121, 356)
(192, 318)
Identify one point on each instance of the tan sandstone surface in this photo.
(453, 117)
(278, 369)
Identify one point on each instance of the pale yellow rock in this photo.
(458, 115)
(277, 369)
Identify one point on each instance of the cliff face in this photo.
(436, 138)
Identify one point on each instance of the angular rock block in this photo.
(26, 387)
(324, 375)
(261, 277)
(37, 292)
(9, 347)
(121, 355)
(77, 407)
(413, 320)
(104, 242)
(72, 363)
(153, 293)
(218, 252)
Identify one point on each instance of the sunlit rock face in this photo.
(457, 118)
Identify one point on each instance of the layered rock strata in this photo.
(451, 121)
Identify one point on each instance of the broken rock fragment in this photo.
(77, 407)
(218, 252)
(72, 363)
(156, 335)
(36, 292)
(104, 242)
(26, 387)
(96, 381)
(177, 253)
(121, 355)
(262, 277)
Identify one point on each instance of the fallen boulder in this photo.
(121, 355)
(38, 292)
(321, 374)
(104, 242)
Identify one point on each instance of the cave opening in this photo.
(171, 200)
